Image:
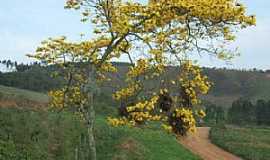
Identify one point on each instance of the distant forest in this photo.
(242, 112)
(229, 85)
(246, 92)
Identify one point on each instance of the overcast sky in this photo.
(25, 23)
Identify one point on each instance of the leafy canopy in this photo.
(151, 35)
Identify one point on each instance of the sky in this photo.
(24, 24)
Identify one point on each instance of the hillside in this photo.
(10, 92)
(20, 98)
(39, 134)
(229, 85)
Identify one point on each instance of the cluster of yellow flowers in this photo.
(60, 50)
(145, 105)
(193, 82)
(71, 96)
(107, 67)
(141, 117)
(100, 43)
(139, 69)
(142, 111)
(228, 35)
(139, 113)
(187, 119)
(72, 4)
(124, 93)
(163, 91)
(117, 121)
(158, 55)
(167, 128)
(201, 113)
(57, 98)
(182, 120)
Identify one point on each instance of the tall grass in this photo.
(251, 143)
(32, 135)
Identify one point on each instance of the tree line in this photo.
(33, 76)
(244, 112)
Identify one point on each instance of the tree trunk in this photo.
(76, 153)
(91, 113)
(90, 128)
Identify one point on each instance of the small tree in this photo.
(151, 35)
(263, 112)
(242, 112)
(214, 114)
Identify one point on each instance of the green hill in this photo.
(229, 85)
(43, 135)
(13, 93)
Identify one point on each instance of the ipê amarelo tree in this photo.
(152, 35)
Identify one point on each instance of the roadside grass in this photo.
(250, 143)
(31, 135)
(149, 144)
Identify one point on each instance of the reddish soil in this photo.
(200, 144)
(9, 103)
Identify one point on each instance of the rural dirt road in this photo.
(202, 146)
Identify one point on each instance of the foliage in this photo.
(178, 117)
(214, 114)
(251, 143)
(27, 134)
(243, 112)
(36, 78)
(262, 112)
(236, 82)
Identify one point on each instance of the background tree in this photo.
(151, 35)
(242, 112)
(214, 114)
(262, 112)
(220, 117)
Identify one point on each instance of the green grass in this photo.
(27, 134)
(141, 144)
(31, 135)
(10, 92)
(251, 143)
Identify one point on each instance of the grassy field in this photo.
(251, 143)
(32, 135)
(14, 93)
(27, 134)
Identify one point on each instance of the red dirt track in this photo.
(200, 144)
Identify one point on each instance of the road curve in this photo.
(200, 144)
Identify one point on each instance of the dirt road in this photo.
(201, 145)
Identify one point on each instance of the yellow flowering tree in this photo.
(151, 34)
(175, 111)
